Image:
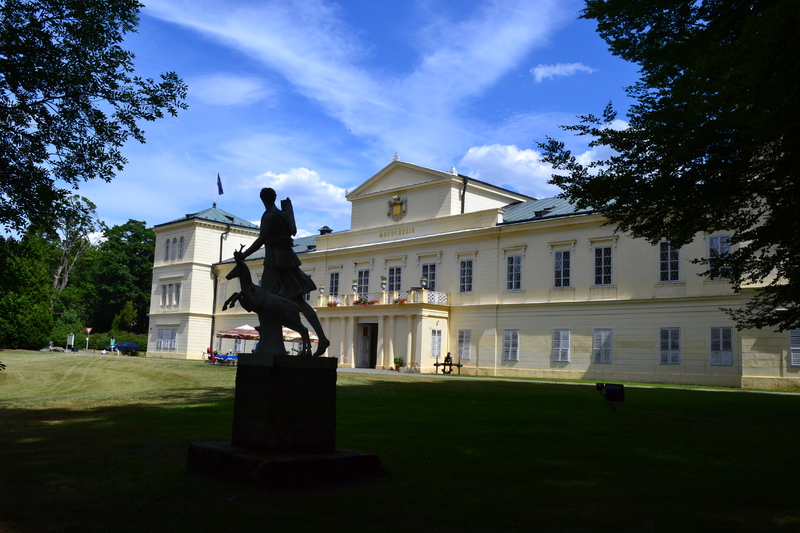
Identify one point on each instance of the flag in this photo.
(219, 184)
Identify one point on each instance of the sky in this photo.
(312, 98)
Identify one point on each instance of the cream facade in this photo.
(512, 286)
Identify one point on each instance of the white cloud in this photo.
(521, 170)
(542, 72)
(226, 89)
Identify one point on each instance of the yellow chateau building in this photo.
(437, 262)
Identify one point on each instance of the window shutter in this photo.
(794, 346)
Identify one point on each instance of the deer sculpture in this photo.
(270, 308)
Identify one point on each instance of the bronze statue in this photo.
(282, 274)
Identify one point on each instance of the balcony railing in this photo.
(414, 296)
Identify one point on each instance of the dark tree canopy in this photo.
(713, 142)
(68, 100)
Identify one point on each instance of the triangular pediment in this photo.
(399, 175)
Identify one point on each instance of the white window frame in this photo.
(223, 292)
(166, 250)
(465, 276)
(163, 295)
(362, 283)
(177, 293)
(429, 271)
(669, 263)
(167, 339)
(561, 345)
(603, 346)
(465, 344)
(510, 345)
(603, 265)
(794, 346)
(562, 269)
(219, 342)
(181, 245)
(238, 345)
(721, 346)
(395, 279)
(514, 272)
(171, 294)
(719, 247)
(669, 343)
(333, 284)
(174, 248)
(436, 344)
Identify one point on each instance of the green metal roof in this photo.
(214, 214)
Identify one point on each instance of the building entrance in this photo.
(367, 346)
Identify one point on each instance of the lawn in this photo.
(98, 443)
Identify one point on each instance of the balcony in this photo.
(413, 296)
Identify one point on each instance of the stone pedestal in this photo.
(285, 404)
(284, 428)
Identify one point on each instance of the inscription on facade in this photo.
(395, 233)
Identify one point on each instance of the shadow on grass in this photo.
(458, 456)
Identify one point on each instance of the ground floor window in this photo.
(511, 345)
(436, 343)
(464, 343)
(237, 345)
(601, 346)
(167, 339)
(561, 345)
(670, 346)
(722, 346)
(219, 342)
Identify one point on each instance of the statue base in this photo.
(284, 427)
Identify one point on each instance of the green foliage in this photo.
(122, 273)
(125, 318)
(25, 315)
(711, 144)
(68, 100)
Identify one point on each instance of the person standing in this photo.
(282, 274)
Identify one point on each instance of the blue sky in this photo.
(313, 97)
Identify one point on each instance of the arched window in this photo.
(180, 249)
(174, 248)
(166, 250)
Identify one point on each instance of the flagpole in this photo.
(215, 189)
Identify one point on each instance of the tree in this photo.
(125, 319)
(25, 315)
(75, 220)
(68, 100)
(713, 142)
(124, 273)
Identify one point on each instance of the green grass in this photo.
(93, 443)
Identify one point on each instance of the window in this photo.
(562, 269)
(180, 248)
(223, 292)
(561, 345)
(163, 295)
(166, 250)
(167, 339)
(722, 346)
(464, 343)
(601, 346)
(794, 346)
(511, 345)
(333, 284)
(170, 294)
(719, 248)
(436, 343)
(514, 272)
(465, 276)
(670, 346)
(174, 248)
(177, 293)
(362, 286)
(395, 276)
(669, 260)
(602, 265)
(237, 345)
(429, 272)
(219, 342)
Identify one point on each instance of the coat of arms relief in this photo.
(397, 208)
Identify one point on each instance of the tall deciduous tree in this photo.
(124, 273)
(68, 100)
(713, 142)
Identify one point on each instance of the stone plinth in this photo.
(284, 428)
(285, 404)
